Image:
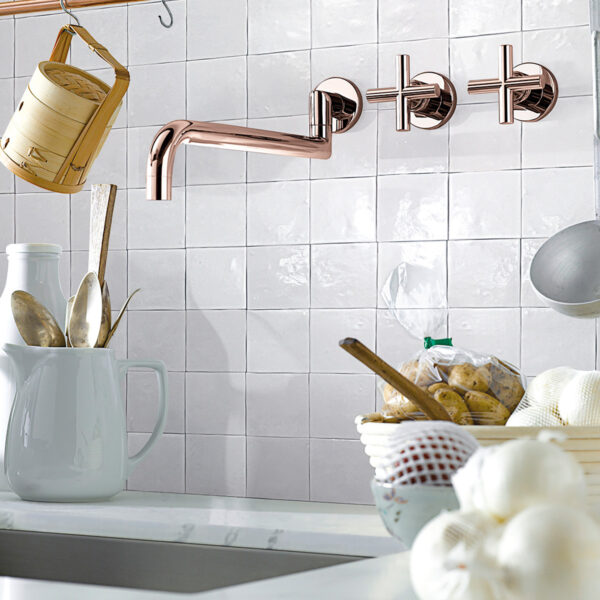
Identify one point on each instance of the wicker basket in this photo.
(63, 119)
(582, 442)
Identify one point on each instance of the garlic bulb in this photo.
(534, 416)
(546, 389)
(451, 559)
(521, 473)
(579, 402)
(467, 480)
(551, 552)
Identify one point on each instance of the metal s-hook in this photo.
(68, 12)
(167, 25)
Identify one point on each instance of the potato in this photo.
(470, 377)
(455, 405)
(485, 409)
(506, 386)
(372, 418)
(440, 385)
(401, 407)
(418, 373)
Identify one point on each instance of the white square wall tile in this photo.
(111, 163)
(342, 210)
(216, 215)
(215, 403)
(216, 278)
(159, 335)
(278, 212)
(7, 48)
(278, 341)
(226, 98)
(6, 100)
(484, 273)
(528, 249)
(479, 17)
(34, 39)
(161, 276)
(278, 468)
(275, 26)
(566, 52)
(565, 140)
(270, 167)
(278, 277)
(162, 470)
(328, 327)
(155, 224)
(541, 14)
(417, 151)
(335, 400)
(353, 153)
(485, 205)
(278, 84)
(42, 218)
(477, 58)
(116, 274)
(7, 220)
(357, 63)
(223, 31)
(206, 165)
(556, 198)
(216, 340)
(550, 340)
(415, 272)
(400, 332)
(277, 405)
(340, 472)
(164, 45)
(412, 207)
(479, 143)
(344, 276)
(216, 465)
(144, 105)
(142, 402)
(343, 22)
(490, 331)
(412, 19)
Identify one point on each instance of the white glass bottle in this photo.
(32, 268)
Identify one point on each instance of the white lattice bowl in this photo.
(416, 452)
(406, 509)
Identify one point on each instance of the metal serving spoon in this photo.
(35, 323)
(119, 317)
(86, 316)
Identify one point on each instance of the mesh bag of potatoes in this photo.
(474, 388)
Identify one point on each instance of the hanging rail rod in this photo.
(19, 7)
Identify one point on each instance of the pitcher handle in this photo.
(161, 375)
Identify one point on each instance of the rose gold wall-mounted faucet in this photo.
(427, 101)
(527, 92)
(335, 106)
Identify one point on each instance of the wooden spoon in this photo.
(420, 398)
(86, 316)
(101, 214)
(35, 322)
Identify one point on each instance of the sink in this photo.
(147, 565)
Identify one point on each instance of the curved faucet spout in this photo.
(335, 106)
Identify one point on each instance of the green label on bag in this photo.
(429, 342)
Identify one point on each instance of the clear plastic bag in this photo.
(475, 389)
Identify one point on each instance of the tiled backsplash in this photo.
(262, 263)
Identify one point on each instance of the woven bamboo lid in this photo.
(68, 90)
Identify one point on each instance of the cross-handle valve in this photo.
(427, 101)
(527, 92)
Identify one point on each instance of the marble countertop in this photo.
(241, 522)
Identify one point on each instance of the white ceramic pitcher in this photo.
(67, 438)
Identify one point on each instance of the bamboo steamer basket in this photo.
(583, 443)
(63, 118)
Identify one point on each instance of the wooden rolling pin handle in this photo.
(420, 398)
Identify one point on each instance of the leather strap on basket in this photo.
(74, 169)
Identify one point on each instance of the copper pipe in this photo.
(19, 7)
(335, 106)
